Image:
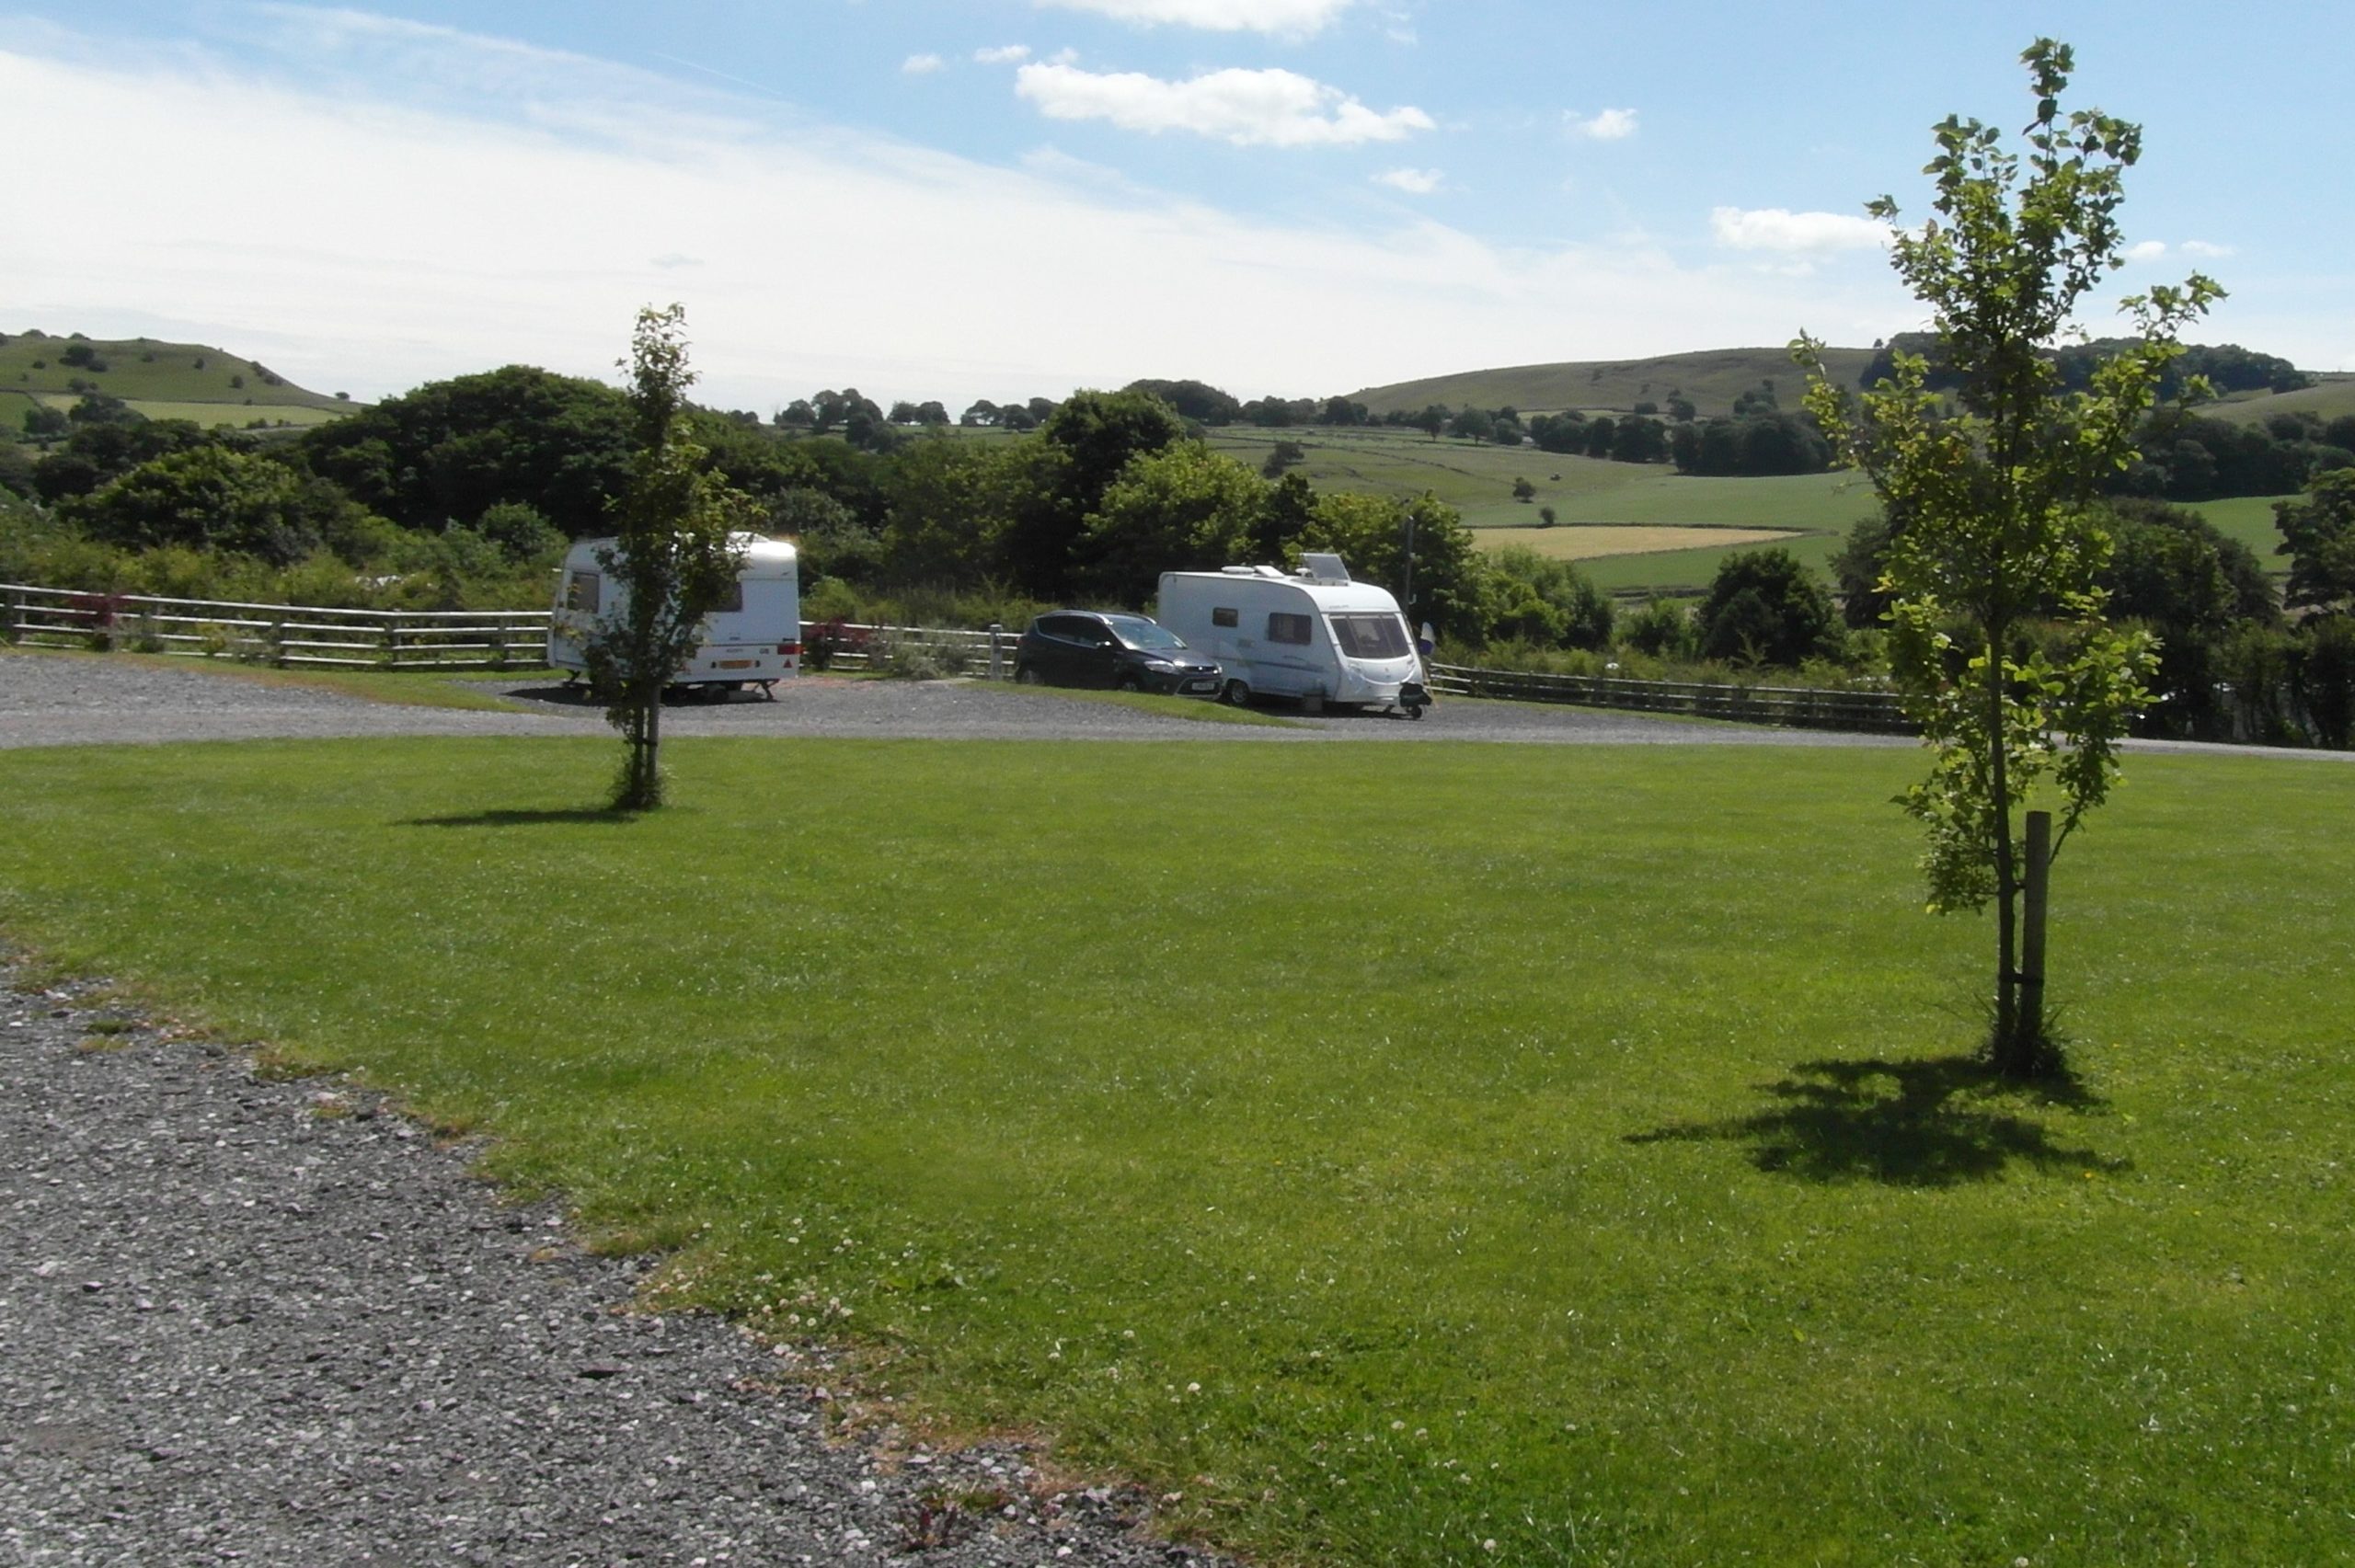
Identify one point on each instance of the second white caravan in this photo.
(1313, 635)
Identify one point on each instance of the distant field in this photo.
(1712, 379)
(148, 369)
(1591, 544)
(235, 414)
(2332, 395)
(1679, 572)
(2248, 519)
(1477, 478)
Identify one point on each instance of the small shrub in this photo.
(905, 657)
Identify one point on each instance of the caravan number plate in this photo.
(732, 664)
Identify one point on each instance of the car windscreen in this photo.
(1147, 637)
(1371, 634)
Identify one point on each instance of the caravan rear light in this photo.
(791, 648)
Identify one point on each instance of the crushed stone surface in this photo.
(55, 700)
(275, 1323)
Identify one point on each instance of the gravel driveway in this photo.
(53, 701)
(272, 1323)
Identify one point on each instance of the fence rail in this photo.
(273, 633)
(1794, 706)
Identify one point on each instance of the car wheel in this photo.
(1128, 683)
(1024, 675)
(1238, 694)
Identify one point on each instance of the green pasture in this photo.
(238, 415)
(1390, 1150)
(1684, 572)
(1476, 479)
(1712, 379)
(2251, 520)
(142, 370)
(2332, 395)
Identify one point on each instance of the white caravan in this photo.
(1313, 635)
(753, 638)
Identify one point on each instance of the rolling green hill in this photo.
(2332, 395)
(163, 381)
(1712, 379)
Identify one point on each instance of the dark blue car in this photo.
(1115, 652)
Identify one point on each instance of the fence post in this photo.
(998, 657)
(278, 642)
(12, 616)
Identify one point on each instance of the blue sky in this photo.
(951, 199)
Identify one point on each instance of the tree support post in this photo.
(2032, 904)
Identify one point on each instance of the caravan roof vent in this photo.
(1315, 567)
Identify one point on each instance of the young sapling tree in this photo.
(1985, 489)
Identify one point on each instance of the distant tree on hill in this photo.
(450, 449)
(42, 422)
(2318, 535)
(98, 409)
(1536, 599)
(1285, 455)
(1198, 401)
(1084, 447)
(206, 497)
(1183, 508)
(1764, 607)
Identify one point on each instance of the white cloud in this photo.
(405, 234)
(1414, 182)
(922, 65)
(1288, 18)
(2145, 250)
(1004, 54)
(1611, 125)
(1274, 108)
(1794, 234)
(2204, 250)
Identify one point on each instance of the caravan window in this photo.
(1285, 628)
(1224, 618)
(581, 592)
(730, 601)
(1371, 635)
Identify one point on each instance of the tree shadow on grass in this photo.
(604, 815)
(1934, 1123)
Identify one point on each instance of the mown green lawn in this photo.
(1393, 1149)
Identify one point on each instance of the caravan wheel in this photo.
(1237, 694)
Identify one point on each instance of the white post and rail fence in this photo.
(310, 636)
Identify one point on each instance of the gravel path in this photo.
(51, 701)
(272, 1323)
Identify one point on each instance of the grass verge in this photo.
(1393, 1149)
